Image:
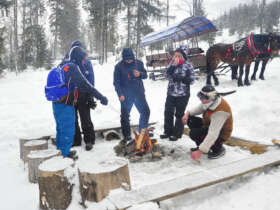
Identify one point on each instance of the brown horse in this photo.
(240, 53)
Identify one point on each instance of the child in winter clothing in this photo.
(128, 76)
(180, 75)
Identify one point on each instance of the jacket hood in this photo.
(77, 55)
(127, 54)
(77, 43)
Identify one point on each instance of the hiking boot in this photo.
(194, 149)
(122, 143)
(89, 146)
(215, 155)
(151, 135)
(127, 138)
(173, 138)
(164, 136)
(73, 155)
(155, 151)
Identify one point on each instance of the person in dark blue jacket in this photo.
(63, 109)
(128, 76)
(82, 107)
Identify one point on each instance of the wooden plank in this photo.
(198, 180)
(133, 126)
(253, 146)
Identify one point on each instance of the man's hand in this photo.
(122, 98)
(104, 100)
(136, 73)
(185, 118)
(196, 155)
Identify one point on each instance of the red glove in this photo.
(196, 155)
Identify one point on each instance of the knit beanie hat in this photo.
(184, 50)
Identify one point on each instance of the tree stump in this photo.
(33, 145)
(97, 179)
(34, 160)
(56, 183)
(23, 141)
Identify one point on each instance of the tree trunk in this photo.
(97, 180)
(21, 143)
(138, 28)
(15, 36)
(35, 158)
(128, 24)
(33, 145)
(54, 184)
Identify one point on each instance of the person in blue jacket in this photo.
(128, 76)
(82, 107)
(63, 109)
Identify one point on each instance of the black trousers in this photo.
(174, 106)
(83, 110)
(198, 133)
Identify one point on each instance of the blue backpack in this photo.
(56, 86)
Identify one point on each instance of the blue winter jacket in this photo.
(86, 66)
(75, 78)
(126, 84)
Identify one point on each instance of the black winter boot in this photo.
(164, 136)
(217, 154)
(89, 146)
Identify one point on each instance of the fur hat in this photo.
(208, 92)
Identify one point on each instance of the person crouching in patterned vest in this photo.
(214, 128)
(180, 75)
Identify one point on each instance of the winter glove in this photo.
(104, 100)
(91, 103)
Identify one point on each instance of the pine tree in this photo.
(198, 10)
(4, 11)
(64, 23)
(103, 14)
(41, 45)
(33, 44)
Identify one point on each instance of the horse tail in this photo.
(208, 58)
(208, 65)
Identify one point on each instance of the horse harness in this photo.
(248, 43)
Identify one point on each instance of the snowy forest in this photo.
(35, 32)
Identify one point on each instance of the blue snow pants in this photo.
(64, 116)
(143, 108)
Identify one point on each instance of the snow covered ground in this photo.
(25, 113)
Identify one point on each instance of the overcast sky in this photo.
(213, 8)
